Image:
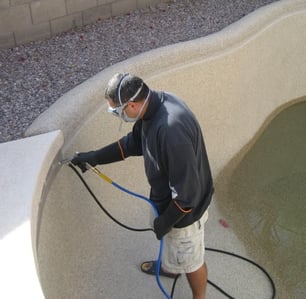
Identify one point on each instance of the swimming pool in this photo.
(267, 190)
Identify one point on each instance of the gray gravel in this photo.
(35, 75)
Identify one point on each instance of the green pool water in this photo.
(267, 190)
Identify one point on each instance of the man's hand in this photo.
(81, 159)
(160, 227)
(172, 215)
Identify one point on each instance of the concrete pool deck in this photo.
(235, 81)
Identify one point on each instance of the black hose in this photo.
(249, 261)
(220, 290)
(102, 207)
(174, 283)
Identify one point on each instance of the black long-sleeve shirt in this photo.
(175, 158)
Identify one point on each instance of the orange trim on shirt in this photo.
(181, 209)
(121, 150)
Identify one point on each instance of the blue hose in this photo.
(161, 243)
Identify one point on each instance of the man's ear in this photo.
(133, 105)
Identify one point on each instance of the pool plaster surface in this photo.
(78, 251)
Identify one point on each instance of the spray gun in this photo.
(65, 161)
(89, 167)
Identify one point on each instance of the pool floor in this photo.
(268, 189)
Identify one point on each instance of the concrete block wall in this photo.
(23, 21)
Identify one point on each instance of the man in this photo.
(169, 138)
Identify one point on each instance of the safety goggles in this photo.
(117, 111)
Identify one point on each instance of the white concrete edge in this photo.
(26, 166)
(70, 111)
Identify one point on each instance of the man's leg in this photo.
(198, 282)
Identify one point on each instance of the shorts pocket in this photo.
(182, 252)
(185, 254)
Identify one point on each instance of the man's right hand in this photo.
(80, 160)
(108, 154)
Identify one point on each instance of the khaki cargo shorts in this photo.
(184, 248)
